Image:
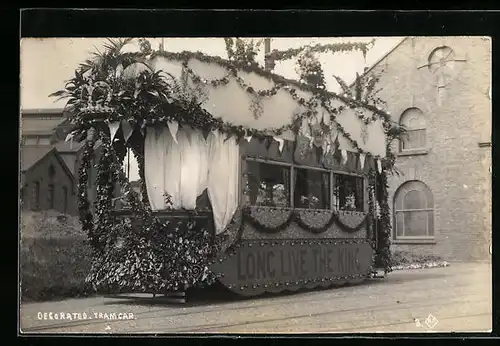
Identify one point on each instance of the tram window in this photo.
(311, 189)
(348, 193)
(267, 184)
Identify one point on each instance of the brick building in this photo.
(46, 181)
(49, 165)
(439, 88)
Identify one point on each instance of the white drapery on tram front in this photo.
(182, 164)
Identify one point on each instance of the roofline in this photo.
(40, 159)
(379, 60)
(34, 111)
(65, 168)
(36, 133)
(61, 162)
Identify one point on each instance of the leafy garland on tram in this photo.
(156, 260)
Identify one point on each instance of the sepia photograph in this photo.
(262, 185)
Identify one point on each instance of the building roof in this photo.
(31, 154)
(379, 60)
(36, 111)
(40, 126)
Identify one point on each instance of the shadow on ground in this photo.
(218, 294)
(215, 294)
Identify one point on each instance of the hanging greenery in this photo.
(383, 253)
(295, 217)
(322, 48)
(140, 252)
(121, 87)
(242, 52)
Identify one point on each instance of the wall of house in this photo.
(454, 167)
(40, 173)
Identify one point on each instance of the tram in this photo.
(277, 175)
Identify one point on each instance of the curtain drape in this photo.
(184, 169)
(223, 176)
(177, 169)
(154, 158)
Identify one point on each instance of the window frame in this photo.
(292, 165)
(401, 193)
(35, 196)
(51, 192)
(405, 118)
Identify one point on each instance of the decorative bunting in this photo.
(328, 148)
(343, 152)
(143, 128)
(215, 133)
(379, 166)
(326, 118)
(281, 142)
(344, 143)
(248, 138)
(362, 157)
(205, 133)
(127, 130)
(70, 137)
(268, 141)
(305, 129)
(311, 141)
(324, 146)
(113, 128)
(173, 126)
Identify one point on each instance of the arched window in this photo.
(413, 120)
(413, 211)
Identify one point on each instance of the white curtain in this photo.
(194, 166)
(223, 178)
(171, 169)
(178, 169)
(186, 168)
(154, 158)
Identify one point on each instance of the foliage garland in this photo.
(322, 48)
(383, 253)
(155, 260)
(83, 200)
(101, 91)
(295, 218)
(319, 97)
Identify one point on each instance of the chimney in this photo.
(268, 58)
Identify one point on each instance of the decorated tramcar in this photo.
(246, 178)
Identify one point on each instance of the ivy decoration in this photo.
(294, 217)
(134, 251)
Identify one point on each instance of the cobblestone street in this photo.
(455, 298)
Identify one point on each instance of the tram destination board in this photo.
(256, 266)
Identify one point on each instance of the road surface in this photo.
(457, 298)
